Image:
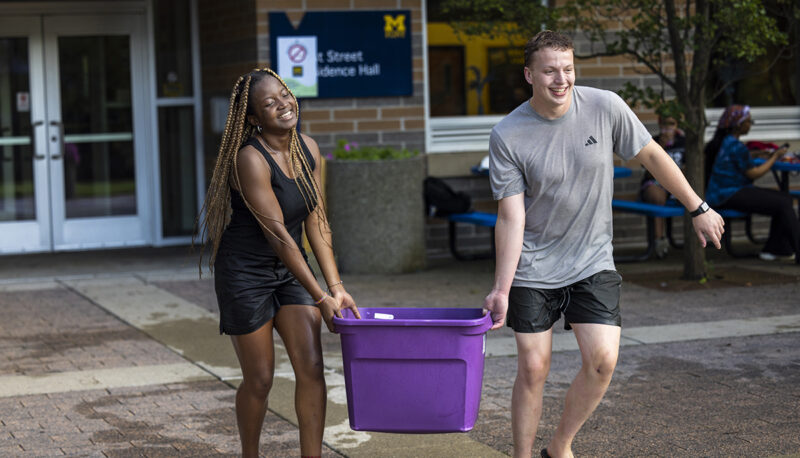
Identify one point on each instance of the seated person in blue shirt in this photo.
(674, 143)
(730, 185)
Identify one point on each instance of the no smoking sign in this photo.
(297, 64)
(297, 53)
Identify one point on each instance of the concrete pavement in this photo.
(118, 353)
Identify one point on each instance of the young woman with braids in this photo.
(267, 179)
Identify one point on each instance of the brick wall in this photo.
(385, 121)
(227, 49)
(612, 72)
(234, 38)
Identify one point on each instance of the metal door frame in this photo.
(99, 232)
(31, 235)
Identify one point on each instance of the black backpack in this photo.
(442, 200)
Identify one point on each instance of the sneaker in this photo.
(765, 256)
(662, 248)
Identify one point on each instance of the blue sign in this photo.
(358, 53)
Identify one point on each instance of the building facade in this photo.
(111, 112)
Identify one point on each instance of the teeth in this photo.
(286, 115)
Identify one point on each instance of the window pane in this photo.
(99, 179)
(16, 161)
(446, 80)
(507, 85)
(95, 83)
(173, 48)
(99, 168)
(178, 177)
(494, 84)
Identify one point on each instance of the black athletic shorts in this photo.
(250, 290)
(592, 300)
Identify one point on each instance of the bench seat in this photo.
(643, 208)
(729, 215)
(650, 211)
(479, 218)
(476, 218)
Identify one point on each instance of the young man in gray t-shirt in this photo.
(551, 170)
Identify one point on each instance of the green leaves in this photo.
(351, 151)
(514, 19)
(743, 29)
(655, 100)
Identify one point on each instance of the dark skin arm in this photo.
(254, 183)
(756, 172)
(319, 237)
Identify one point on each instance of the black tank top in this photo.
(244, 235)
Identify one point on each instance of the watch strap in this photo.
(701, 209)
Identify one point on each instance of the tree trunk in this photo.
(694, 256)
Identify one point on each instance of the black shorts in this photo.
(594, 299)
(250, 291)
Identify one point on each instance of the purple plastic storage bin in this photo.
(419, 371)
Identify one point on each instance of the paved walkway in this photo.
(118, 354)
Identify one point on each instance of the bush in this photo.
(347, 151)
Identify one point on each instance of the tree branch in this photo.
(681, 87)
(687, 28)
(673, 83)
(701, 60)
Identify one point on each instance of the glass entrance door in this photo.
(95, 117)
(24, 193)
(72, 117)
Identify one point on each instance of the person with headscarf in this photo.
(730, 179)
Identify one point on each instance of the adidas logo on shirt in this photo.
(590, 141)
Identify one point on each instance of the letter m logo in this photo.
(394, 27)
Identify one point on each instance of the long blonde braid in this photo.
(217, 207)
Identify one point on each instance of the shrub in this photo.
(350, 151)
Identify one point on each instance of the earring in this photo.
(258, 128)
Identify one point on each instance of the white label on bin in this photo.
(383, 316)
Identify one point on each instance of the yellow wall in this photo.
(475, 53)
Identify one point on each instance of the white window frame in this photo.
(772, 124)
(194, 101)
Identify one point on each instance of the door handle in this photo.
(35, 124)
(60, 126)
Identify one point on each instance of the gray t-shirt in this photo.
(565, 168)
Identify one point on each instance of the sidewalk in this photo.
(117, 353)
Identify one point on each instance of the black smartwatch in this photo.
(701, 209)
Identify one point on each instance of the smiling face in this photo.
(552, 75)
(272, 106)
